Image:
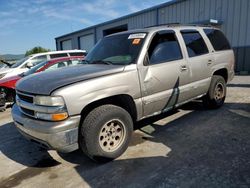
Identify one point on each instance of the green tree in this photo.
(35, 50)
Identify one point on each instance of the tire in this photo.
(216, 94)
(105, 133)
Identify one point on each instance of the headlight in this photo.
(49, 101)
(52, 117)
(2, 75)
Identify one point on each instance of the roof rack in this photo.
(180, 24)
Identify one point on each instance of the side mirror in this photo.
(29, 65)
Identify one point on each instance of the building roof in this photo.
(126, 16)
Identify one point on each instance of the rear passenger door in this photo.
(199, 61)
(161, 75)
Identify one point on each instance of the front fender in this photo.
(79, 95)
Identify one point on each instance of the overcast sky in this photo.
(28, 23)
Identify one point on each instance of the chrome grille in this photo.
(27, 106)
(27, 111)
(24, 100)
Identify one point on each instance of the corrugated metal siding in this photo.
(233, 13)
(143, 20)
(74, 38)
(99, 30)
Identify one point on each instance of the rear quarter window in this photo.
(52, 56)
(217, 39)
(77, 54)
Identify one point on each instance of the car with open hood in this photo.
(26, 63)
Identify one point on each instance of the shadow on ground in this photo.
(207, 148)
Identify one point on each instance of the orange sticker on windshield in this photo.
(136, 41)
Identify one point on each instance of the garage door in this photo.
(86, 42)
(67, 45)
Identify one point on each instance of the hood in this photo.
(45, 83)
(9, 82)
(5, 70)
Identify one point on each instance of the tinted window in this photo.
(52, 56)
(217, 39)
(194, 43)
(164, 48)
(77, 54)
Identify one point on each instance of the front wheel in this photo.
(105, 133)
(216, 94)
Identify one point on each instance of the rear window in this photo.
(52, 56)
(194, 42)
(78, 54)
(217, 39)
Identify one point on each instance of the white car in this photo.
(24, 64)
(4, 64)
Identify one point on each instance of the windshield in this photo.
(2, 65)
(19, 62)
(120, 49)
(34, 69)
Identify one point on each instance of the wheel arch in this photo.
(124, 101)
(222, 72)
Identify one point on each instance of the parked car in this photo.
(7, 85)
(24, 64)
(129, 76)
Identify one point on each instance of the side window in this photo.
(58, 65)
(53, 56)
(39, 59)
(217, 39)
(163, 48)
(194, 42)
(74, 62)
(36, 60)
(77, 54)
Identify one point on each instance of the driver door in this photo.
(164, 72)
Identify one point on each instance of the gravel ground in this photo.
(190, 147)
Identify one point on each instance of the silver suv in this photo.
(127, 77)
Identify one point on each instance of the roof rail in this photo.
(180, 24)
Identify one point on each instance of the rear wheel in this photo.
(217, 93)
(105, 133)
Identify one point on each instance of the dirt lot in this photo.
(190, 147)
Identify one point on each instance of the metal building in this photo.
(230, 15)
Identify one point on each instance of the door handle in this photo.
(209, 62)
(183, 68)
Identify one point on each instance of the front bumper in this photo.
(61, 136)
